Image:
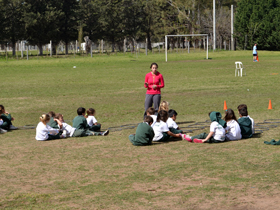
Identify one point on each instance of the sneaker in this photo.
(197, 141)
(3, 131)
(186, 137)
(13, 127)
(105, 133)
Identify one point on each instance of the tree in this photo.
(13, 23)
(2, 22)
(40, 22)
(111, 21)
(258, 21)
(68, 21)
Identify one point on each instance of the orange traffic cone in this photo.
(225, 105)
(269, 105)
(258, 58)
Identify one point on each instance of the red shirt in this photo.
(157, 80)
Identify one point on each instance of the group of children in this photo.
(162, 126)
(53, 126)
(157, 127)
(6, 120)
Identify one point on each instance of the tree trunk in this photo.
(113, 44)
(149, 41)
(40, 46)
(14, 48)
(66, 48)
(53, 49)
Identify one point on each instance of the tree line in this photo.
(39, 21)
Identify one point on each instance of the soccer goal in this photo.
(188, 35)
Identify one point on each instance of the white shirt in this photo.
(233, 131)
(159, 128)
(171, 123)
(91, 120)
(253, 124)
(43, 131)
(219, 131)
(1, 122)
(155, 120)
(68, 128)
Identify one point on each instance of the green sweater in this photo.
(80, 122)
(144, 134)
(246, 127)
(53, 123)
(6, 121)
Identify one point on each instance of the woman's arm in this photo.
(146, 84)
(161, 80)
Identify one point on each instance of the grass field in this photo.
(108, 172)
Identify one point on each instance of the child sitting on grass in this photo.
(161, 129)
(67, 129)
(217, 131)
(80, 122)
(52, 122)
(144, 133)
(164, 105)
(44, 131)
(172, 125)
(92, 122)
(1, 123)
(7, 120)
(151, 112)
(245, 124)
(233, 131)
(241, 106)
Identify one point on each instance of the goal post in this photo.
(187, 35)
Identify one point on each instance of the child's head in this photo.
(45, 118)
(243, 112)
(2, 109)
(150, 111)
(149, 120)
(241, 106)
(59, 117)
(229, 115)
(164, 105)
(81, 111)
(162, 116)
(51, 113)
(90, 112)
(172, 114)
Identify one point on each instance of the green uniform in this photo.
(53, 123)
(214, 117)
(80, 122)
(144, 135)
(246, 127)
(6, 121)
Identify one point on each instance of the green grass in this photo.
(110, 173)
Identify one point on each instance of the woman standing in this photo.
(153, 82)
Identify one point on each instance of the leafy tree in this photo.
(89, 18)
(2, 22)
(111, 21)
(68, 21)
(13, 23)
(40, 22)
(259, 21)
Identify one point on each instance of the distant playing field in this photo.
(109, 172)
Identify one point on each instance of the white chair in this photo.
(239, 68)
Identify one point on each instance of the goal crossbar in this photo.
(166, 44)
